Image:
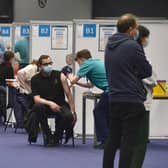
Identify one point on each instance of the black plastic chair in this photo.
(63, 136)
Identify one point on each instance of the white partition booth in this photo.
(53, 38)
(93, 34)
(6, 36)
(157, 53)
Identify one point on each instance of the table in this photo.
(91, 96)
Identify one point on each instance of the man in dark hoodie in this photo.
(126, 66)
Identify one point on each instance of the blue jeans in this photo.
(101, 112)
(21, 105)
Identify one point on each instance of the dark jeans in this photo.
(21, 106)
(3, 96)
(2, 106)
(126, 120)
(63, 119)
(101, 112)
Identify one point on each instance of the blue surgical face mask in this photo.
(47, 69)
(136, 35)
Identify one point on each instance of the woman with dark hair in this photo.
(6, 72)
(143, 38)
(148, 83)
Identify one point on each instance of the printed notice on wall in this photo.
(6, 37)
(79, 31)
(35, 30)
(59, 38)
(105, 31)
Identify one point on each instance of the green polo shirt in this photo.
(94, 70)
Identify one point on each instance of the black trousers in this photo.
(2, 106)
(126, 120)
(140, 149)
(63, 119)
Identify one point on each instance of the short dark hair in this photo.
(8, 55)
(42, 57)
(143, 32)
(125, 22)
(83, 54)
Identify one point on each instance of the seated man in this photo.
(48, 88)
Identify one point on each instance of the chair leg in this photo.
(15, 130)
(73, 140)
(9, 117)
(44, 139)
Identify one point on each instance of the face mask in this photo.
(46, 70)
(136, 35)
(145, 44)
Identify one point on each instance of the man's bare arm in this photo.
(86, 85)
(68, 92)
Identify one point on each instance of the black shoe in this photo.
(99, 146)
(32, 139)
(57, 139)
(68, 135)
(49, 141)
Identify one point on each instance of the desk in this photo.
(91, 96)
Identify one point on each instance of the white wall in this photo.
(25, 10)
(156, 52)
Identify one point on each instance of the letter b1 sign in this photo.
(89, 30)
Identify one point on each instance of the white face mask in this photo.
(146, 43)
(136, 35)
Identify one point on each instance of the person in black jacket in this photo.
(6, 72)
(48, 89)
(126, 66)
